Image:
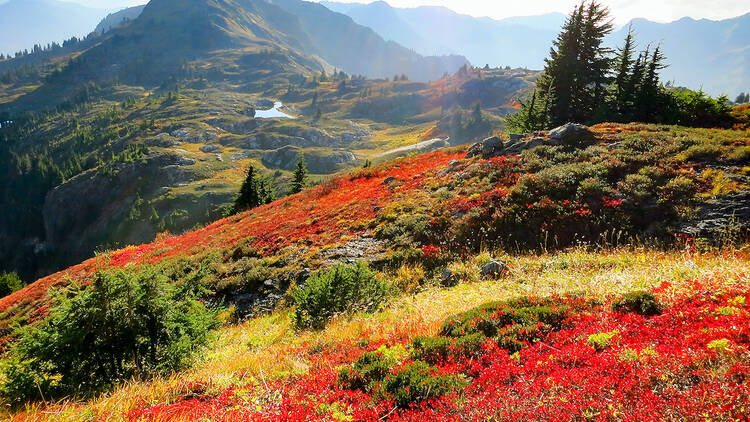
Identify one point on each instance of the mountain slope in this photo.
(24, 23)
(113, 20)
(343, 43)
(515, 42)
(718, 59)
(430, 226)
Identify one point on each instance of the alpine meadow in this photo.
(285, 210)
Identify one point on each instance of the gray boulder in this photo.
(210, 149)
(492, 147)
(571, 134)
(448, 279)
(474, 150)
(493, 269)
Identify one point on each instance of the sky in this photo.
(622, 10)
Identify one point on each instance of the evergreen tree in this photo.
(476, 114)
(650, 100)
(256, 190)
(532, 117)
(623, 63)
(577, 70)
(299, 180)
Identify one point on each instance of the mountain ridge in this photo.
(718, 60)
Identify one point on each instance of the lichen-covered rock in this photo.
(210, 149)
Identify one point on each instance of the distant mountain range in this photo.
(515, 42)
(713, 55)
(24, 23)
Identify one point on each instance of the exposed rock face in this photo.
(363, 249)
(162, 140)
(80, 214)
(238, 126)
(320, 162)
(193, 136)
(721, 216)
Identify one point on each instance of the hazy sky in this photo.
(623, 10)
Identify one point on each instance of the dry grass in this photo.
(267, 347)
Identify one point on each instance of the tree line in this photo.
(586, 82)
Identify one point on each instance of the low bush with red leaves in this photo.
(571, 359)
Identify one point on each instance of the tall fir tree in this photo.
(577, 71)
(256, 190)
(299, 179)
(650, 99)
(623, 64)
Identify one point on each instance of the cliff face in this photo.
(88, 209)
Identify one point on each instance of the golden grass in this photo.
(267, 347)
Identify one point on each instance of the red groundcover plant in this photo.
(690, 362)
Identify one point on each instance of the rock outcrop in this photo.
(571, 134)
(318, 161)
(82, 213)
(722, 217)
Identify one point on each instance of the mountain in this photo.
(148, 127)
(515, 42)
(344, 44)
(113, 20)
(713, 55)
(718, 59)
(24, 23)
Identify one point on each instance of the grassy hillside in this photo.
(644, 207)
(264, 368)
(198, 134)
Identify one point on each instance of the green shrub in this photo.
(432, 349)
(9, 283)
(512, 324)
(469, 345)
(704, 152)
(373, 373)
(418, 382)
(124, 324)
(643, 303)
(342, 289)
(367, 372)
(638, 187)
